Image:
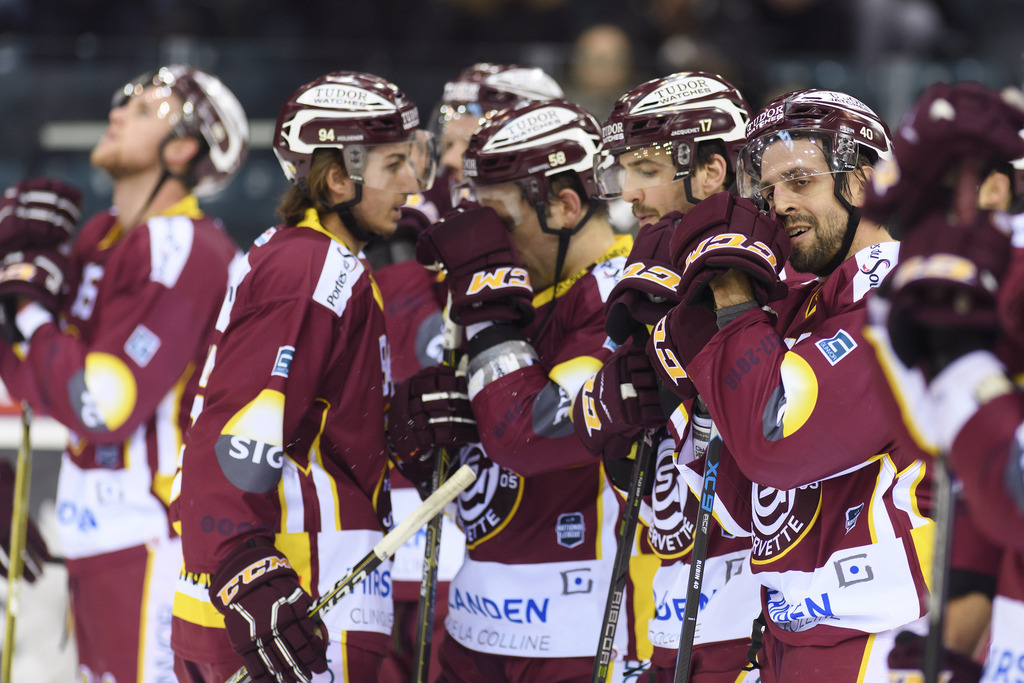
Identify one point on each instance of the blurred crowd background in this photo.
(61, 60)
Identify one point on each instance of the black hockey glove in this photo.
(265, 615)
(486, 277)
(724, 232)
(38, 214)
(617, 404)
(33, 275)
(943, 294)
(649, 286)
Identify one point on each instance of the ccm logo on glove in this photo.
(255, 570)
(659, 275)
(501, 278)
(732, 240)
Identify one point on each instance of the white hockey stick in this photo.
(386, 547)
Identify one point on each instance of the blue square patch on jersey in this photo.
(570, 529)
(837, 347)
(283, 361)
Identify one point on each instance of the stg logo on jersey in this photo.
(249, 464)
(499, 278)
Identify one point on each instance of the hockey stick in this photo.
(698, 556)
(623, 553)
(386, 547)
(19, 539)
(943, 514)
(427, 605)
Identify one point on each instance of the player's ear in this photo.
(178, 153)
(340, 187)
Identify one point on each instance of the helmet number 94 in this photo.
(325, 134)
(556, 158)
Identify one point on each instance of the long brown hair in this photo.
(308, 194)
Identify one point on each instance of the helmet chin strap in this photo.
(852, 221)
(689, 192)
(564, 235)
(344, 211)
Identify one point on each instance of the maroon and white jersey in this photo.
(837, 506)
(119, 370)
(415, 323)
(974, 413)
(730, 594)
(288, 439)
(540, 518)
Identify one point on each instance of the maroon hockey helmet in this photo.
(530, 142)
(484, 88)
(948, 124)
(210, 112)
(841, 126)
(352, 112)
(670, 116)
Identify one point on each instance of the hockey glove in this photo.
(430, 410)
(38, 213)
(617, 403)
(485, 275)
(943, 294)
(265, 614)
(676, 339)
(906, 662)
(38, 277)
(36, 552)
(649, 286)
(724, 232)
(948, 123)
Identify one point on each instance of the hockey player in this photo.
(647, 160)
(413, 309)
(528, 272)
(948, 333)
(283, 483)
(115, 358)
(835, 507)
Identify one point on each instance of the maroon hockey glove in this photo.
(430, 410)
(36, 552)
(485, 275)
(676, 339)
(724, 232)
(265, 614)
(34, 275)
(38, 213)
(949, 122)
(649, 286)
(906, 662)
(943, 294)
(617, 403)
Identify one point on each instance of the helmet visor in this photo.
(628, 170)
(406, 166)
(796, 162)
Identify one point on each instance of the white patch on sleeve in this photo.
(874, 263)
(339, 275)
(142, 345)
(607, 273)
(170, 243)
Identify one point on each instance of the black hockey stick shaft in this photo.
(623, 552)
(426, 608)
(386, 547)
(698, 556)
(944, 507)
